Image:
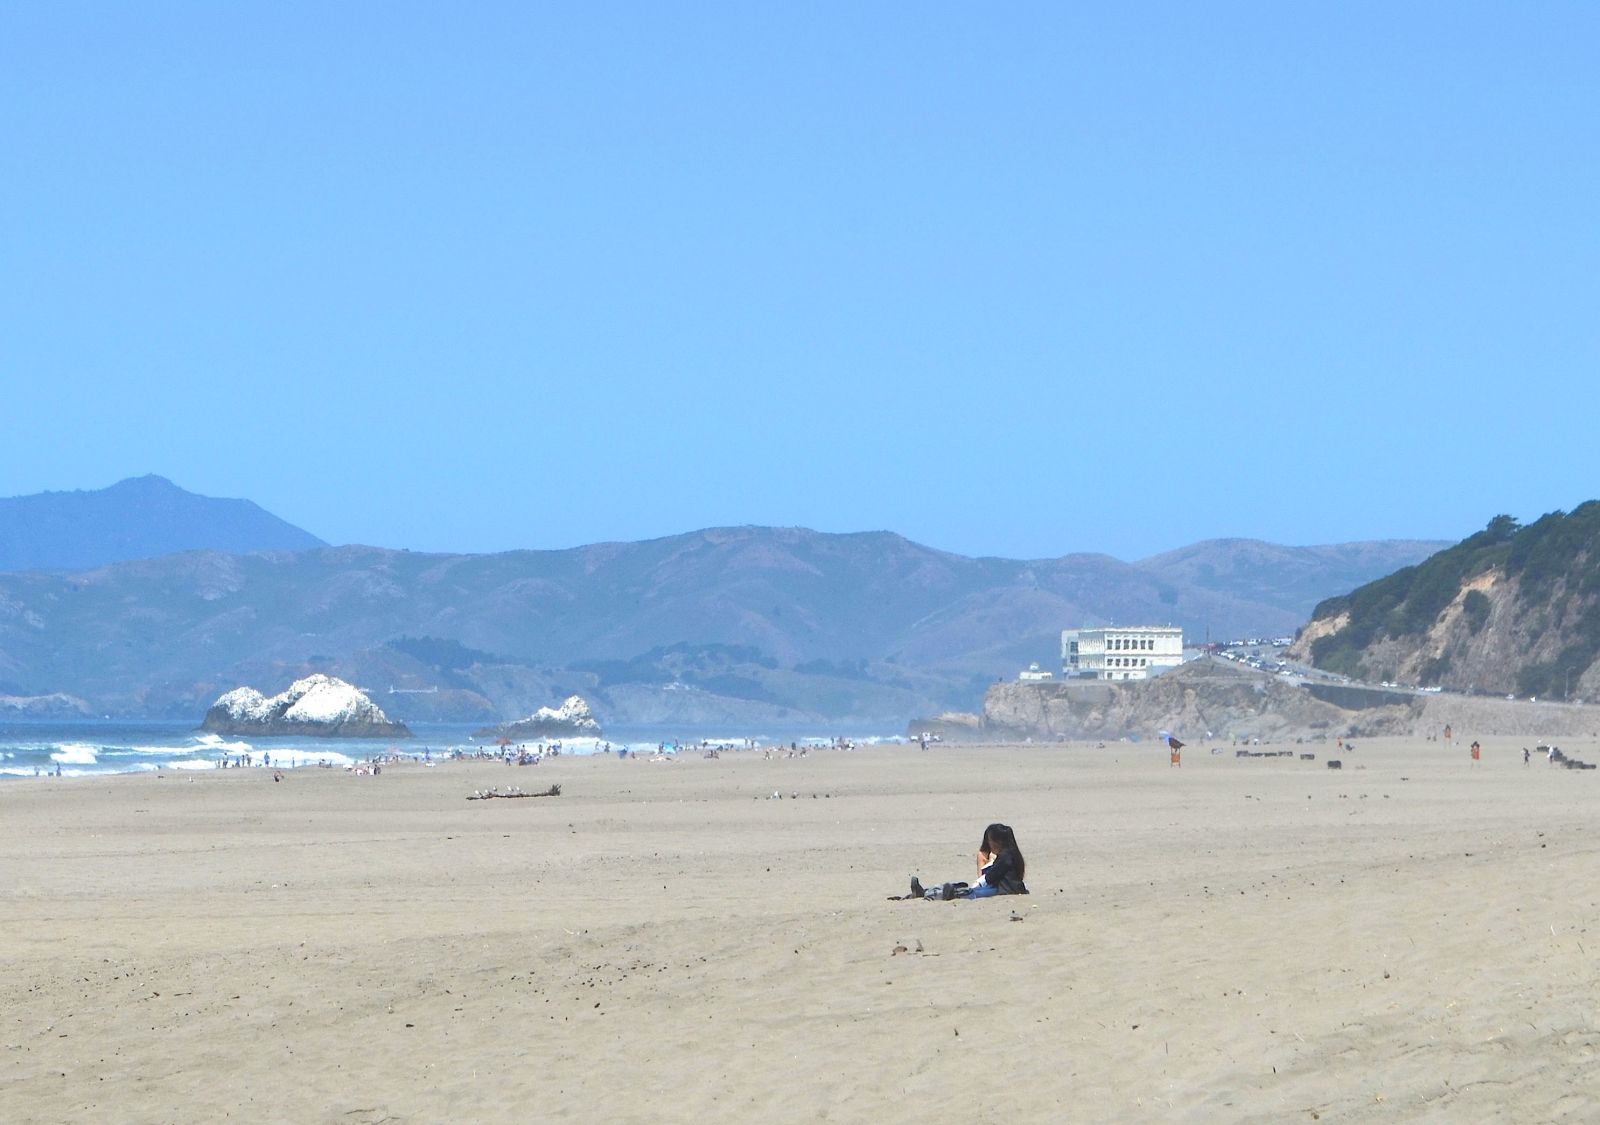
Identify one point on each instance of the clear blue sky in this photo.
(1013, 279)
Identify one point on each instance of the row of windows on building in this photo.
(1119, 644)
(1125, 662)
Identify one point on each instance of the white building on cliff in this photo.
(1120, 652)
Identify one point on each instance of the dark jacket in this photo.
(1003, 876)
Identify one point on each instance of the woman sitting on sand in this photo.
(1000, 870)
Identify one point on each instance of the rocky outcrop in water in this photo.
(320, 706)
(572, 719)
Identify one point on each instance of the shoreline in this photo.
(110, 747)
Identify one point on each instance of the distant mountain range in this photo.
(747, 625)
(139, 518)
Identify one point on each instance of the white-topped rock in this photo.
(319, 705)
(242, 704)
(572, 719)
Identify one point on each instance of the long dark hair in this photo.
(999, 838)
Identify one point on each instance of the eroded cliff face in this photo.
(1508, 610)
(1476, 652)
(1204, 698)
(1313, 632)
(1454, 649)
(1215, 700)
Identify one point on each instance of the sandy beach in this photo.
(1408, 938)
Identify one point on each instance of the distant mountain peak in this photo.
(149, 482)
(136, 518)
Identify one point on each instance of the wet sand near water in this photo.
(1409, 938)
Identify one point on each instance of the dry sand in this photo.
(1236, 940)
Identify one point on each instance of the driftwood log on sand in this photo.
(487, 794)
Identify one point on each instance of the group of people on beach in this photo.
(243, 761)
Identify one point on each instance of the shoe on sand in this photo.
(916, 888)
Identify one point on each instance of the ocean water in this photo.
(89, 748)
(86, 749)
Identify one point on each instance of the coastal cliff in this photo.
(1215, 699)
(1509, 610)
(1203, 697)
(320, 706)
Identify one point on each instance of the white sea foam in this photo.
(215, 742)
(208, 744)
(287, 758)
(157, 751)
(76, 754)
